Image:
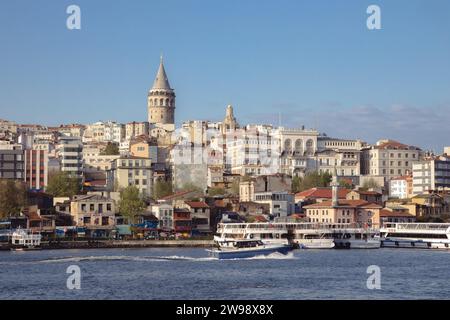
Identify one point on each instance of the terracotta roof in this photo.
(374, 193)
(345, 203)
(402, 178)
(389, 213)
(322, 193)
(177, 194)
(392, 144)
(197, 204)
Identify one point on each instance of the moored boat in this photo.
(416, 235)
(25, 239)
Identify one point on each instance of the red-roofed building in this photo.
(369, 196)
(346, 211)
(319, 194)
(393, 215)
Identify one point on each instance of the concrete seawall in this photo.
(128, 244)
(45, 245)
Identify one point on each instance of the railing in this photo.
(418, 226)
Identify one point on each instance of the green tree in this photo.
(370, 184)
(112, 149)
(216, 191)
(296, 184)
(131, 202)
(313, 180)
(62, 184)
(12, 198)
(161, 189)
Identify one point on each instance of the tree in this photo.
(313, 180)
(131, 202)
(295, 184)
(111, 149)
(191, 187)
(370, 184)
(62, 184)
(216, 191)
(345, 184)
(12, 197)
(161, 189)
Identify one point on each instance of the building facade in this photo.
(70, 153)
(11, 161)
(431, 174)
(389, 159)
(131, 171)
(36, 169)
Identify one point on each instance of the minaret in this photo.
(335, 189)
(229, 123)
(161, 100)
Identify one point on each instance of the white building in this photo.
(109, 131)
(163, 210)
(297, 149)
(398, 188)
(389, 159)
(281, 203)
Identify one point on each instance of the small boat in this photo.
(236, 249)
(24, 239)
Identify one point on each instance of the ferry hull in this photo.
(357, 244)
(315, 243)
(240, 254)
(413, 244)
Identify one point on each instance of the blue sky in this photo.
(314, 63)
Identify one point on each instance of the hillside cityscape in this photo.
(150, 179)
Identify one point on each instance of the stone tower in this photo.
(161, 101)
(229, 123)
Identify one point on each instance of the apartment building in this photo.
(11, 161)
(128, 170)
(431, 174)
(70, 153)
(389, 159)
(36, 169)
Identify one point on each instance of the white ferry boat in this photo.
(303, 235)
(238, 249)
(416, 235)
(25, 239)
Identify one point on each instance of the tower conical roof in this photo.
(161, 81)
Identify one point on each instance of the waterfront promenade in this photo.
(90, 244)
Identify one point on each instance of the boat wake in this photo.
(124, 258)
